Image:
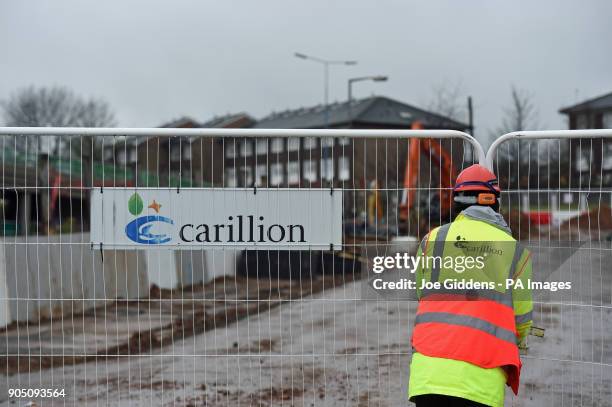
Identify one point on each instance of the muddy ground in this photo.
(136, 326)
(337, 348)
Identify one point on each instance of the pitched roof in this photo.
(598, 103)
(183, 122)
(229, 120)
(375, 110)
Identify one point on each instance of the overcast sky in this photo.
(158, 60)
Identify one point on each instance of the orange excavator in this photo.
(438, 205)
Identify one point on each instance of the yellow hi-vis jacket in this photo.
(477, 231)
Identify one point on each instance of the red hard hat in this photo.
(476, 178)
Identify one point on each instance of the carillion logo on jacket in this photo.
(139, 229)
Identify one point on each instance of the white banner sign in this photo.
(204, 218)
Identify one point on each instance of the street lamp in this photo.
(374, 78)
(326, 63)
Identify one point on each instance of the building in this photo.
(174, 161)
(155, 161)
(58, 201)
(591, 159)
(357, 165)
(350, 163)
(278, 162)
(209, 152)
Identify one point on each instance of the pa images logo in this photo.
(139, 230)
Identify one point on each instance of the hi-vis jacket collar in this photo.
(486, 214)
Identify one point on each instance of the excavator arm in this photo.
(441, 159)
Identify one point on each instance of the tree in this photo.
(521, 114)
(518, 162)
(448, 99)
(57, 107)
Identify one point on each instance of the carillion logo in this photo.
(139, 229)
(243, 229)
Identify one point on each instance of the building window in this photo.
(310, 170)
(582, 121)
(293, 144)
(344, 170)
(293, 172)
(246, 148)
(126, 156)
(606, 159)
(583, 158)
(132, 155)
(607, 120)
(310, 143)
(230, 177)
(327, 169)
(262, 146)
(187, 151)
(261, 175)
(276, 174)
(230, 149)
(327, 142)
(121, 156)
(175, 152)
(277, 145)
(246, 173)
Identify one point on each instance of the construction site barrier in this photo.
(557, 198)
(230, 325)
(190, 326)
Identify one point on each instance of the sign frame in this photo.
(216, 218)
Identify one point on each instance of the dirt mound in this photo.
(596, 219)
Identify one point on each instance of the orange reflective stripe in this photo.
(522, 266)
(518, 252)
(424, 244)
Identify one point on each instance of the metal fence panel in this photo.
(213, 326)
(558, 199)
(284, 327)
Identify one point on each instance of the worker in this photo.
(466, 341)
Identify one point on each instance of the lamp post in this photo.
(374, 78)
(326, 63)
